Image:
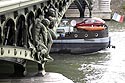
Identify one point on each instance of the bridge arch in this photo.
(30, 18)
(21, 31)
(42, 5)
(13, 28)
(30, 25)
(38, 12)
(9, 32)
(81, 6)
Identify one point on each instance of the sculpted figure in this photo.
(48, 38)
(39, 39)
(53, 22)
(43, 41)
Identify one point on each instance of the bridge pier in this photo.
(100, 9)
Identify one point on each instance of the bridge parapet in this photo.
(11, 5)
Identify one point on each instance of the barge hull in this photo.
(80, 45)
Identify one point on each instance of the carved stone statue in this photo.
(39, 39)
(43, 42)
(48, 38)
(53, 22)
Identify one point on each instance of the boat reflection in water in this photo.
(90, 35)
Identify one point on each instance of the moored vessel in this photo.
(90, 35)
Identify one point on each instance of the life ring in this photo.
(96, 34)
(75, 35)
(86, 35)
(91, 28)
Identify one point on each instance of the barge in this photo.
(90, 35)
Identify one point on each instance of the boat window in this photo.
(64, 23)
(89, 21)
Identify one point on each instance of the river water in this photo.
(106, 66)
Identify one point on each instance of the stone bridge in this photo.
(16, 18)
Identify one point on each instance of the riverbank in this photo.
(115, 26)
(50, 77)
